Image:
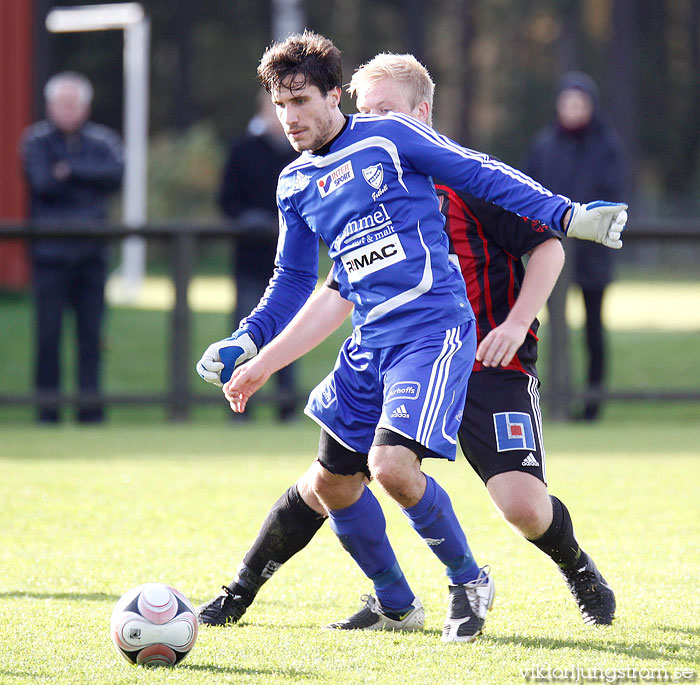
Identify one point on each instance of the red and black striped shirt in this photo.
(490, 242)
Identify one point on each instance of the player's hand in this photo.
(602, 222)
(500, 345)
(245, 382)
(221, 358)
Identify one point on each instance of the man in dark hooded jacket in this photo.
(581, 156)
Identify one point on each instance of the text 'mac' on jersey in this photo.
(371, 199)
(490, 243)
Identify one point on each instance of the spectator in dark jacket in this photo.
(72, 166)
(581, 156)
(247, 193)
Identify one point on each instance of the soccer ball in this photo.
(154, 625)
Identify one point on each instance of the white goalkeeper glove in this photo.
(602, 222)
(221, 358)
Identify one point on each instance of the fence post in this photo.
(559, 362)
(180, 327)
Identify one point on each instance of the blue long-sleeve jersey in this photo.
(371, 199)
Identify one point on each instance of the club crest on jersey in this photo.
(374, 175)
(513, 431)
(336, 178)
(372, 257)
(404, 390)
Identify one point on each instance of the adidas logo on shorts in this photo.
(400, 413)
(530, 460)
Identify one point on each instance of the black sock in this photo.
(287, 529)
(559, 541)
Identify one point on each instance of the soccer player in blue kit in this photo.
(365, 189)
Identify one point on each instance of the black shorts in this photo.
(502, 425)
(339, 459)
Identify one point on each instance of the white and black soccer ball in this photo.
(154, 625)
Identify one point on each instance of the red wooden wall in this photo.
(16, 17)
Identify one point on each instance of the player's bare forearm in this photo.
(543, 269)
(318, 318)
(565, 220)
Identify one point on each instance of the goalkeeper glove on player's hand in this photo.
(602, 222)
(221, 358)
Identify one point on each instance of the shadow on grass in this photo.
(82, 596)
(19, 674)
(694, 631)
(204, 668)
(671, 651)
(254, 624)
(273, 674)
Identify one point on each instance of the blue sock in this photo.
(434, 519)
(361, 529)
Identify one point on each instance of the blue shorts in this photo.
(416, 389)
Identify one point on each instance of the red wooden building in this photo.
(17, 87)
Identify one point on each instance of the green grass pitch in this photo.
(87, 514)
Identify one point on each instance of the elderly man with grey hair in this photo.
(72, 166)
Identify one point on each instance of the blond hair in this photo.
(405, 69)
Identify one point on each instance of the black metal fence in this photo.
(183, 240)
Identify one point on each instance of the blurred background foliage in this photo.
(495, 63)
(184, 168)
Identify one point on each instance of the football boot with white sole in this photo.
(467, 607)
(373, 616)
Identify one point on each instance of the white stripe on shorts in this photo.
(329, 431)
(534, 393)
(435, 393)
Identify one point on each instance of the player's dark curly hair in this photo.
(307, 55)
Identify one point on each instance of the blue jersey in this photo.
(371, 199)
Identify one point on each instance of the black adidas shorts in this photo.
(502, 425)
